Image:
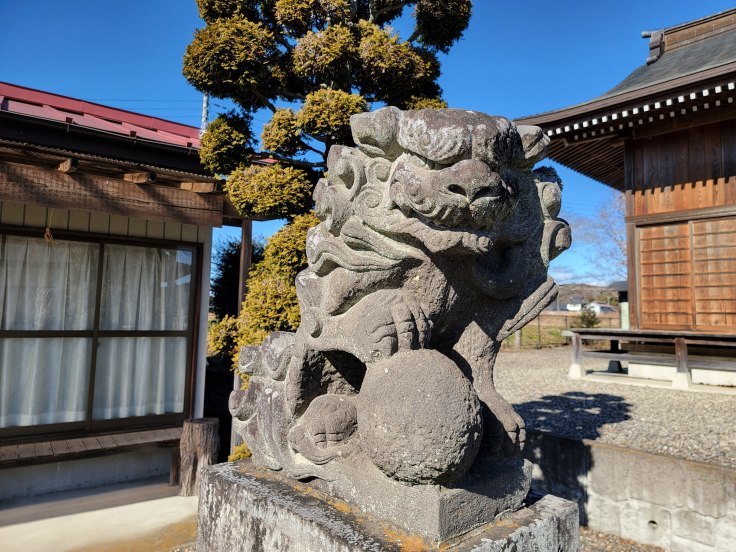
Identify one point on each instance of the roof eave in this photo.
(136, 149)
(671, 86)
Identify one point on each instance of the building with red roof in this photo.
(106, 221)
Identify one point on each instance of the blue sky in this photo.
(515, 59)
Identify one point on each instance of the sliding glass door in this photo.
(93, 333)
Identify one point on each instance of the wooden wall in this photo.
(16, 214)
(684, 170)
(681, 209)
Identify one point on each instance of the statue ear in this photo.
(375, 132)
(535, 143)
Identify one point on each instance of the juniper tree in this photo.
(311, 64)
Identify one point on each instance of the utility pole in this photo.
(205, 114)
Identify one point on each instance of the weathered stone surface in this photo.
(610, 469)
(686, 545)
(603, 514)
(608, 508)
(434, 512)
(239, 512)
(647, 523)
(246, 508)
(418, 429)
(561, 467)
(550, 524)
(725, 534)
(692, 526)
(730, 489)
(706, 489)
(665, 486)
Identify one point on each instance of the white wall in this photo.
(81, 221)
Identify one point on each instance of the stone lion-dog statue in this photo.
(433, 246)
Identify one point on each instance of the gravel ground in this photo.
(695, 426)
(591, 541)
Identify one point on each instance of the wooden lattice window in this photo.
(687, 275)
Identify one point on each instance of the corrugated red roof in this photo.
(54, 107)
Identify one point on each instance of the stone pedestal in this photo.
(245, 508)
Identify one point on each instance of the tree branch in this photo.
(310, 148)
(375, 14)
(414, 35)
(285, 43)
(266, 102)
(296, 162)
(292, 96)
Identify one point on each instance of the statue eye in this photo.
(455, 189)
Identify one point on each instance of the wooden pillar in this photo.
(200, 443)
(517, 339)
(682, 379)
(246, 255)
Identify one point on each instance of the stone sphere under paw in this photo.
(419, 419)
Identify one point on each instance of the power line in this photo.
(140, 100)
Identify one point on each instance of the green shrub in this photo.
(240, 452)
(222, 337)
(269, 191)
(586, 319)
(271, 303)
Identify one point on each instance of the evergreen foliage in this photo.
(586, 319)
(327, 59)
(227, 143)
(271, 303)
(222, 336)
(269, 192)
(311, 64)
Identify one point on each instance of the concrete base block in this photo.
(682, 381)
(83, 473)
(713, 377)
(245, 508)
(576, 371)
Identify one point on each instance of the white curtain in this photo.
(143, 289)
(45, 286)
(139, 376)
(52, 286)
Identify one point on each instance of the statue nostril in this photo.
(455, 189)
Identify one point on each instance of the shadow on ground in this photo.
(556, 425)
(575, 414)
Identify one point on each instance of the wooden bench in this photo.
(26, 454)
(680, 358)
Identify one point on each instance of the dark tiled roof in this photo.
(707, 53)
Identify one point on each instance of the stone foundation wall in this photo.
(653, 499)
(27, 481)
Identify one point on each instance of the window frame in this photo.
(90, 426)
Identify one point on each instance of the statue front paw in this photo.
(504, 429)
(324, 431)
